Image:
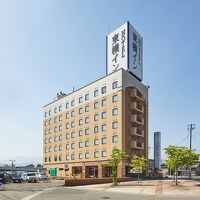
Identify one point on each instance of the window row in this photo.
(80, 156)
(80, 100)
(82, 144)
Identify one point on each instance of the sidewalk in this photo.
(150, 187)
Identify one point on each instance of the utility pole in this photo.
(12, 161)
(191, 127)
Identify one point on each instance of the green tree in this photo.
(138, 164)
(116, 157)
(179, 157)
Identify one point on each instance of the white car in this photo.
(41, 175)
(31, 177)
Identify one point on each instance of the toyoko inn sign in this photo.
(124, 50)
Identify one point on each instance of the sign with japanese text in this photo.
(157, 150)
(124, 50)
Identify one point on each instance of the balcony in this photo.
(136, 119)
(136, 132)
(136, 107)
(136, 145)
(135, 94)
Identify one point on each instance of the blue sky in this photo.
(52, 45)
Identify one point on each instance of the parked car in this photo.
(31, 177)
(24, 177)
(16, 178)
(41, 175)
(2, 178)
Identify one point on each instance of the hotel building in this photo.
(81, 129)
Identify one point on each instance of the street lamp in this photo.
(12, 161)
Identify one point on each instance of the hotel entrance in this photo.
(92, 172)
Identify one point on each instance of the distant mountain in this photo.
(21, 161)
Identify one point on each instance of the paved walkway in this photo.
(153, 187)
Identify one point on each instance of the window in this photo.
(86, 108)
(96, 93)
(55, 129)
(103, 115)
(96, 129)
(73, 124)
(60, 108)
(103, 128)
(67, 105)
(114, 85)
(45, 141)
(87, 143)
(60, 148)
(87, 120)
(67, 135)
(60, 137)
(45, 159)
(96, 141)
(50, 140)
(73, 135)
(103, 140)
(103, 102)
(50, 131)
(96, 105)
(96, 117)
(72, 157)
(60, 128)
(60, 158)
(50, 122)
(80, 132)
(55, 158)
(115, 138)
(45, 132)
(45, 114)
(55, 148)
(67, 157)
(96, 154)
(115, 125)
(67, 125)
(114, 98)
(67, 146)
(55, 119)
(50, 159)
(103, 153)
(60, 118)
(55, 139)
(72, 114)
(72, 145)
(50, 149)
(67, 115)
(45, 150)
(114, 111)
(80, 99)
(73, 103)
(80, 121)
(103, 90)
(50, 113)
(80, 110)
(80, 144)
(45, 123)
(87, 155)
(80, 156)
(86, 97)
(87, 132)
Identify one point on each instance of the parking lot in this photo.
(16, 191)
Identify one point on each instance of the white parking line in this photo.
(36, 194)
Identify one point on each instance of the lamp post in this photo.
(12, 161)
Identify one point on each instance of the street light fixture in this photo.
(12, 161)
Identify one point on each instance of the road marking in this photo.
(37, 194)
(159, 188)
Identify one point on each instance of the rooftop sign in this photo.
(124, 50)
